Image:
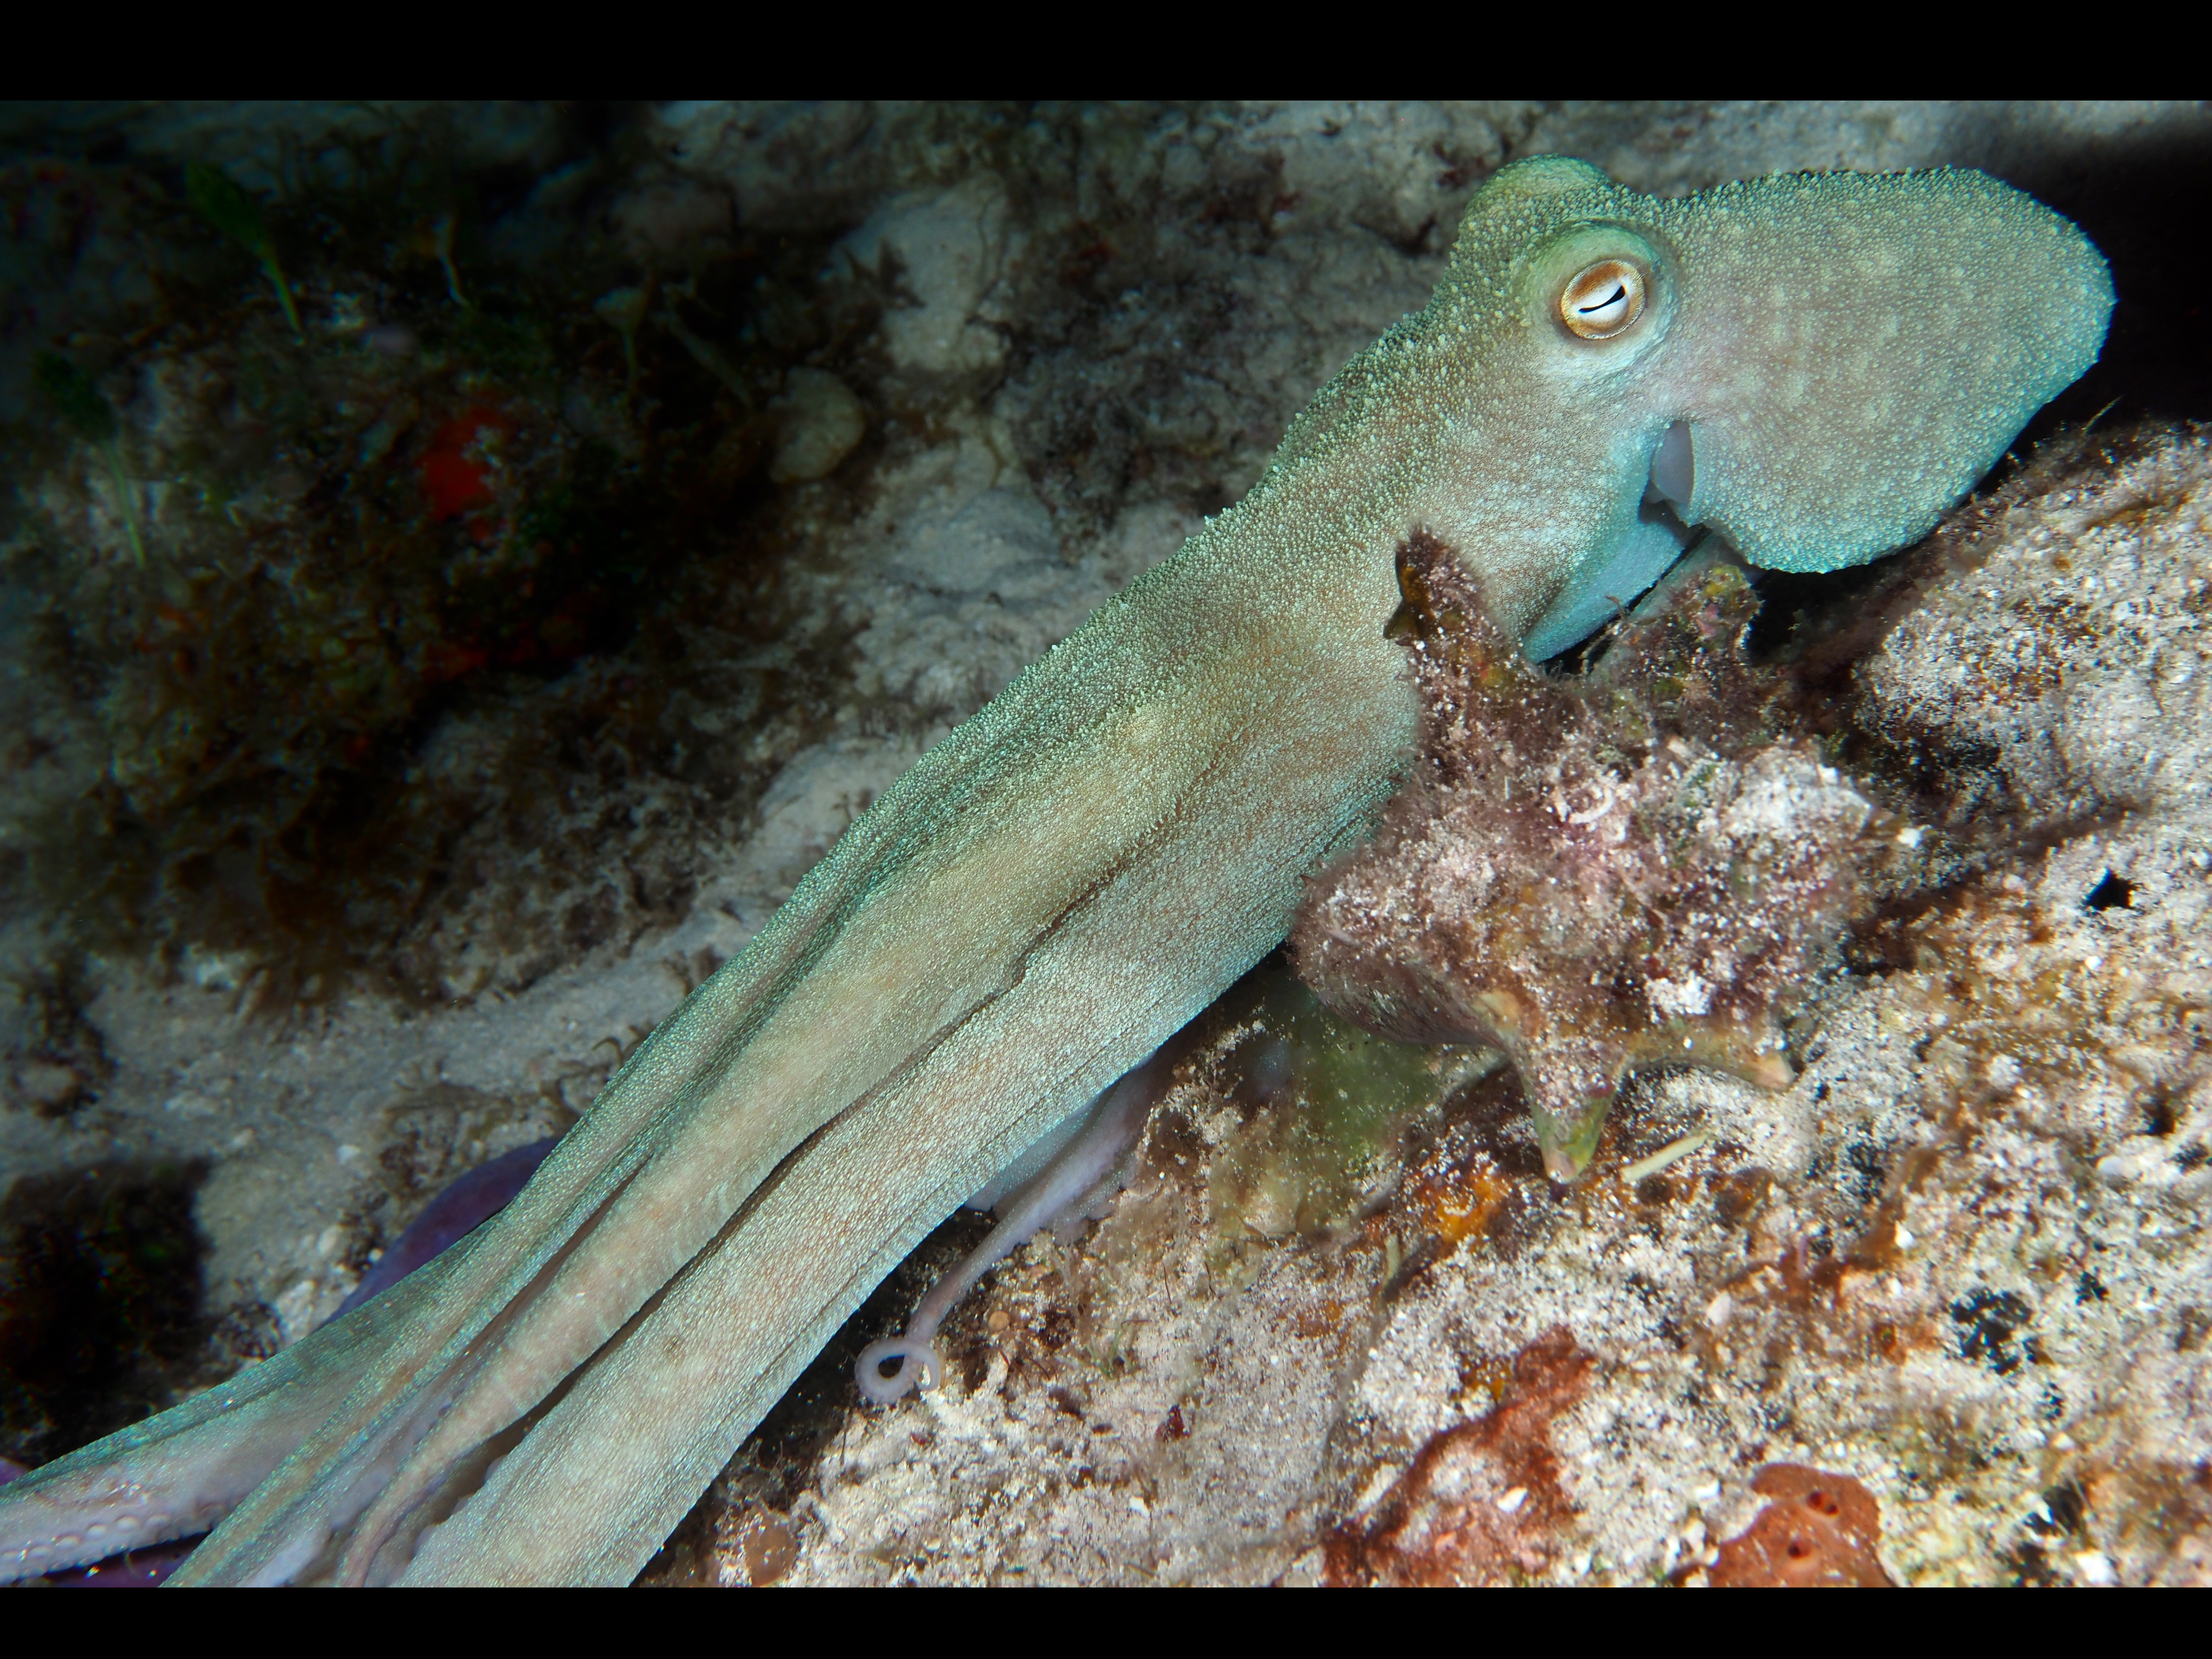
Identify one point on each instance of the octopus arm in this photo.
(1048, 895)
(178, 1474)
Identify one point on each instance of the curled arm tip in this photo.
(886, 1369)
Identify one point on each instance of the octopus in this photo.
(1811, 368)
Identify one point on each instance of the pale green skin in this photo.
(1081, 868)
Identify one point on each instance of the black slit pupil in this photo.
(1618, 294)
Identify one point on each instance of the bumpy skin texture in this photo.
(1851, 353)
(1074, 873)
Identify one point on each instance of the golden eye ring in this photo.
(1604, 301)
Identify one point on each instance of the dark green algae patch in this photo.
(1315, 1108)
(252, 574)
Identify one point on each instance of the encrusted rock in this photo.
(1578, 874)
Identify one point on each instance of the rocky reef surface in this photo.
(1933, 1310)
(403, 710)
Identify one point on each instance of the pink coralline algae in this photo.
(1629, 870)
(1819, 1531)
(1481, 1503)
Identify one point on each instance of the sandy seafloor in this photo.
(917, 388)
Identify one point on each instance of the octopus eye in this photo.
(1603, 300)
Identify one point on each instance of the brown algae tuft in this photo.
(337, 579)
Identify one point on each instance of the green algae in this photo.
(92, 418)
(1326, 1106)
(218, 198)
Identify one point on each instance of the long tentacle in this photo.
(1204, 703)
(654, 1420)
(1086, 1160)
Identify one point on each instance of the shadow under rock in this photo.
(2148, 206)
(101, 1316)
